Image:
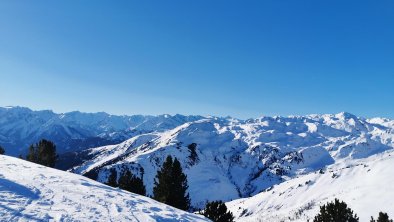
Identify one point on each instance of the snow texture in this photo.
(364, 184)
(224, 158)
(227, 159)
(30, 192)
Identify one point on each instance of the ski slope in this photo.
(366, 185)
(30, 192)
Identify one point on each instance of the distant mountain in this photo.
(226, 159)
(30, 192)
(366, 185)
(75, 131)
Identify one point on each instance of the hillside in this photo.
(226, 159)
(30, 192)
(365, 185)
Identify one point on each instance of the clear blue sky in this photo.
(238, 58)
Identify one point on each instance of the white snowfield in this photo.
(226, 159)
(366, 185)
(30, 192)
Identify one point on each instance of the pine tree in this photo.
(44, 153)
(383, 217)
(336, 212)
(170, 185)
(193, 157)
(217, 212)
(2, 150)
(138, 186)
(32, 156)
(112, 178)
(162, 182)
(181, 196)
(125, 180)
(131, 183)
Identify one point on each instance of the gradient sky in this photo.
(238, 58)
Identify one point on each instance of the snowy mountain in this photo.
(366, 185)
(226, 159)
(74, 131)
(30, 192)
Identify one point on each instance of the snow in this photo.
(364, 184)
(233, 158)
(238, 158)
(20, 127)
(30, 192)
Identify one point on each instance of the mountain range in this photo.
(74, 131)
(227, 159)
(241, 161)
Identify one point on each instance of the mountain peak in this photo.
(346, 115)
(16, 108)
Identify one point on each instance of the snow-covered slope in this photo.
(366, 185)
(20, 127)
(30, 192)
(226, 159)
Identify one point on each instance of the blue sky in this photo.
(238, 58)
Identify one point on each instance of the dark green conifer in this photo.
(43, 152)
(217, 212)
(170, 185)
(131, 183)
(112, 178)
(336, 211)
(383, 217)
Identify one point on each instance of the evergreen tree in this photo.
(32, 156)
(383, 217)
(217, 212)
(44, 153)
(131, 183)
(162, 182)
(336, 212)
(125, 180)
(112, 179)
(137, 185)
(193, 157)
(2, 150)
(170, 185)
(181, 196)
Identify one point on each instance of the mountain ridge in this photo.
(74, 131)
(242, 158)
(223, 158)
